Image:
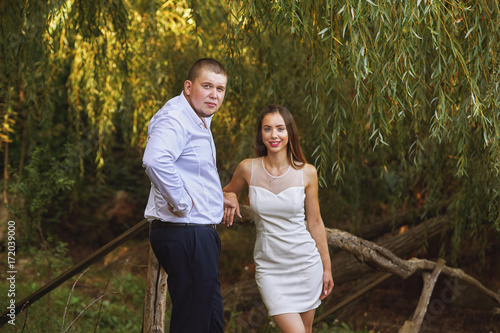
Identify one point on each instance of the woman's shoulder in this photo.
(310, 174)
(309, 169)
(248, 161)
(245, 166)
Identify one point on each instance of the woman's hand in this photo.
(327, 284)
(231, 206)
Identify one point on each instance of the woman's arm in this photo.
(240, 179)
(316, 226)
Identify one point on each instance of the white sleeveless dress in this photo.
(289, 271)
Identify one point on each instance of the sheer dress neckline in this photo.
(267, 172)
(260, 177)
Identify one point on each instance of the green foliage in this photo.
(49, 262)
(118, 310)
(43, 189)
(397, 103)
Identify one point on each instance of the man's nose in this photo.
(213, 93)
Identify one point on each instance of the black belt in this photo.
(157, 224)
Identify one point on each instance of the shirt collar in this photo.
(193, 114)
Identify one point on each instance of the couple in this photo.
(186, 202)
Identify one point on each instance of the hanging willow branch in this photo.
(408, 92)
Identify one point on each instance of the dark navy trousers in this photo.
(190, 257)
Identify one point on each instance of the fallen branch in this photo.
(384, 260)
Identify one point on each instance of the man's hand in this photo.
(231, 206)
(171, 210)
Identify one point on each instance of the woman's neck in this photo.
(276, 163)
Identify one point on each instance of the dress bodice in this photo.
(276, 202)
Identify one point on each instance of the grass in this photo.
(84, 308)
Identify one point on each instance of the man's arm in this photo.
(166, 143)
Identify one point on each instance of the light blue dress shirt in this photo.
(180, 160)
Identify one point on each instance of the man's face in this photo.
(206, 93)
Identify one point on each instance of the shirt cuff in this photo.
(184, 212)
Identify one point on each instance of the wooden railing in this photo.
(68, 274)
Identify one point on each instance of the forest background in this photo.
(397, 105)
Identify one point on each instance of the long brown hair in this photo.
(293, 150)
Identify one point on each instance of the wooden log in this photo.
(388, 224)
(155, 297)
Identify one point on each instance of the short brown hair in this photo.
(205, 64)
(293, 150)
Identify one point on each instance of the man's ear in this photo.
(187, 87)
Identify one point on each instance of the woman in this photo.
(293, 268)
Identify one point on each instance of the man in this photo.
(186, 200)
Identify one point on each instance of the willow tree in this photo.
(397, 102)
(79, 81)
(403, 96)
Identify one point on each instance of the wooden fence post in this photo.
(155, 297)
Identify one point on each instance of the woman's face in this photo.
(274, 133)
